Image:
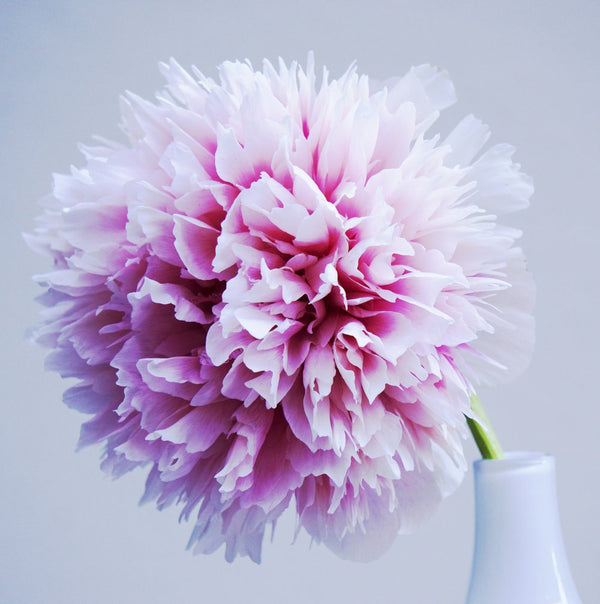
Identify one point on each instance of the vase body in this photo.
(519, 556)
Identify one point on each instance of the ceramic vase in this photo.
(519, 555)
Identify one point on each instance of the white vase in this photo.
(519, 555)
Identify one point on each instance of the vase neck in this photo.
(517, 501)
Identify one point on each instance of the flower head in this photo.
(283, 292)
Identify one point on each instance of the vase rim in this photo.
(514, 460)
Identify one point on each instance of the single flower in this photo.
(284, 292)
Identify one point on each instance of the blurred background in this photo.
(528, 68)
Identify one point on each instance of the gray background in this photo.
(529, 69)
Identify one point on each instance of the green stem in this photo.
(483, 433)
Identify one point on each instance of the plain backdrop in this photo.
(70, 535)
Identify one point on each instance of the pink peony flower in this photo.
(284, 293)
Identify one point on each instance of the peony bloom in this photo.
(284, 292)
